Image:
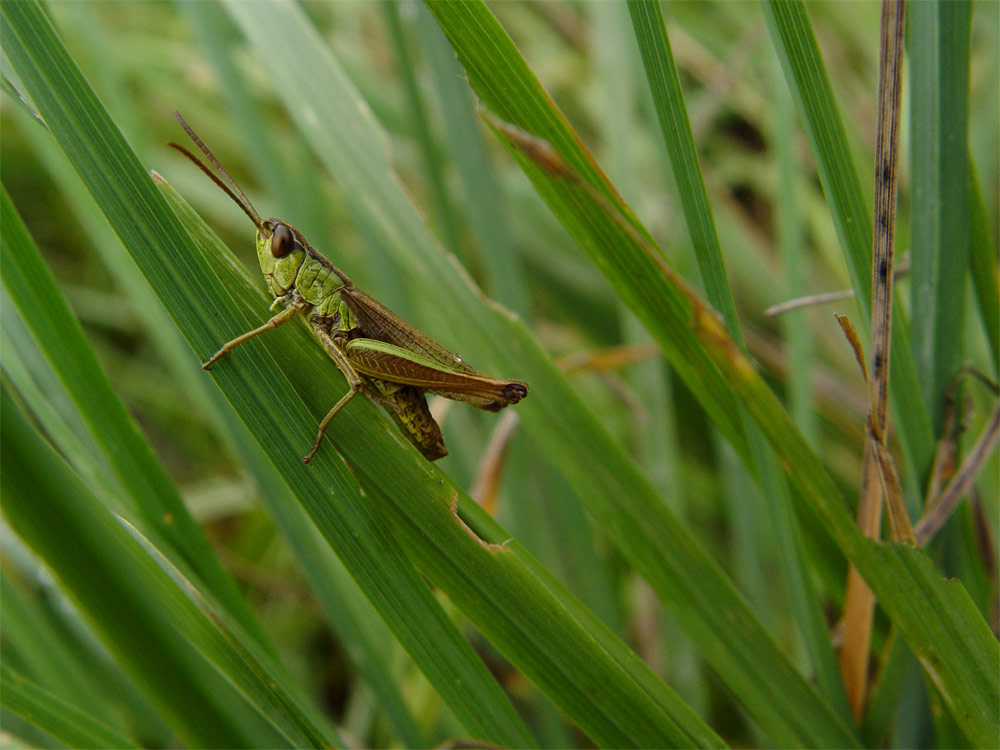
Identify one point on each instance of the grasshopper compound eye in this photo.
(282, 242)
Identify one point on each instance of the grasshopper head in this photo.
(281, 248)
(280, 251)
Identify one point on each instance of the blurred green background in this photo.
(145, 59)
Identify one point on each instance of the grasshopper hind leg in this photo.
(353, 381)
(355, 387)
(407, 406)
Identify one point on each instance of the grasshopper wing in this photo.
(378, 359)
(378, 322)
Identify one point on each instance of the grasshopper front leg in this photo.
(280, 319)
(353, 380)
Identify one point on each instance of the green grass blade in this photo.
(661, 308)
(803, 65)
(510, 600)
(171, 648)
(489, 214)
(936, 617)
(985, 272)
(55, 717)
(50, 646)
(67, 552)
(654, 444)
(510, 90)
(27, 368)
(154, 497)
(938, 51)
(139, 215)
(447, 220)
(665, 86)
(347, 610)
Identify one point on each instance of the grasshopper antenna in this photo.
(229, 186)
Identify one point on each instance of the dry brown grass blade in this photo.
(859, 353)
(860, 603)
(900, 528)
(941, 507)
(484, 491)
(609, 358)
(878, 480)
(811, 300)
(946, 450)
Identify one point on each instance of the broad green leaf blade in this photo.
(171, 648)
(55, 717)
(502, 80)
(166, 256)
(796, 45)
(938, 52)
(51, 647)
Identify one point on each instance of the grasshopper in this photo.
(378, 352)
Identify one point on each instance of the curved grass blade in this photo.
(52, 715)
(929, 625)
(503, 82)
(166, 255)
(200, 673)
(496, 585)
(661, 71)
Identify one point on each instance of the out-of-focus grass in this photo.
(195, 60)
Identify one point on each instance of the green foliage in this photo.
(355, 123)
